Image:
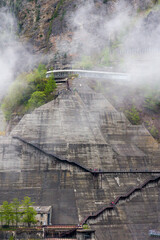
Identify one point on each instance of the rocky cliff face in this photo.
(41, 23)
(44, 23)
(77, 153)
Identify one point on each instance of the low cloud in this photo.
(15, 56)
(130, 31)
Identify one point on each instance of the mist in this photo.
(121, 36)
(15, 56)
(124, 35)
(112, 35)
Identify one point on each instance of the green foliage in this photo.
(11, 238)
(38, 15)
(55, 14)
(85, 226)
(2, 3)
(154, 131)
(150, 7)
(152, 102)
(86, 63)
(50, 85)
(29, 214)
(105, 57)
(6, 213)
(16, 212)
(17, 6)
(36, 100)
(133, 115)
(65, 55)
(28, 91)
(20, 26)
(63, 14)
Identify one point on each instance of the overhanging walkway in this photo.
(60, 74)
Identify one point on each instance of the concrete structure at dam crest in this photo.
(77, 154)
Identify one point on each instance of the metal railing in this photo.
(60, 74)
(113, 204)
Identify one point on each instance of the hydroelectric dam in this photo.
(81, 156)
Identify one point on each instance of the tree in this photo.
(28, 91)
(29, 214)
(7, 213)
(50, 86)
(16, 211)
(1, 216)
(37, 99)
(133, 115)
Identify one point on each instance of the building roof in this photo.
(64, 227)
(42, 209)
(39, 209)
(85, 230)
(60, 239)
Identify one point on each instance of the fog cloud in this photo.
(15, 56)
(128, 29)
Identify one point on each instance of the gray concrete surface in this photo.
(82, 126)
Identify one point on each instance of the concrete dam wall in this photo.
(78, 154)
